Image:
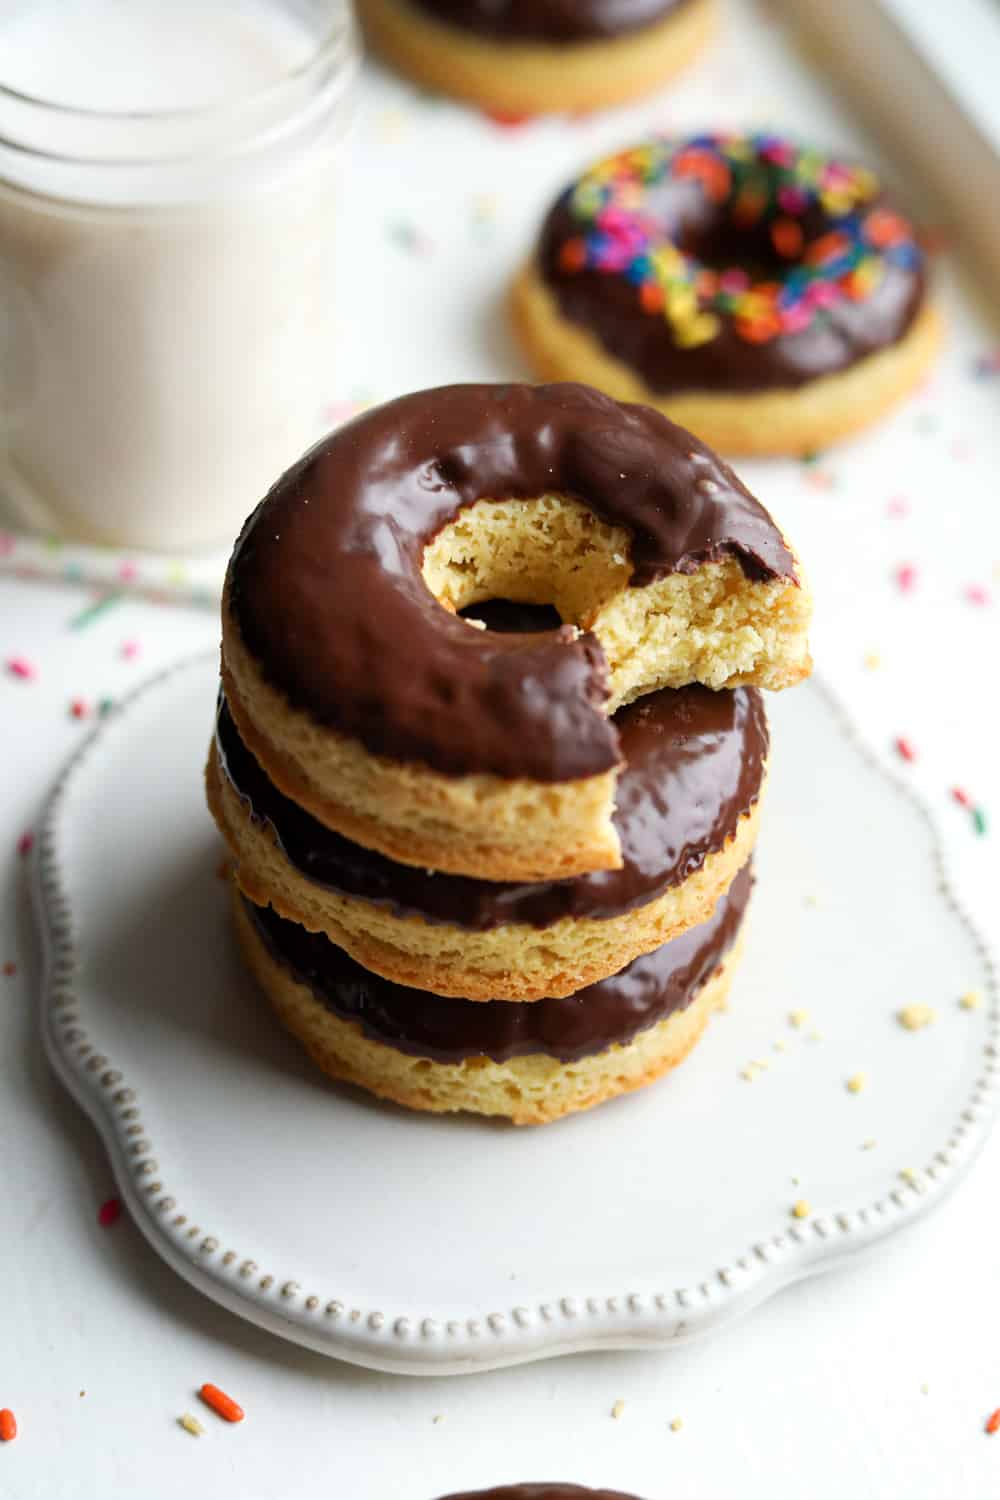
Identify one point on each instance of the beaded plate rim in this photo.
(421, 1342)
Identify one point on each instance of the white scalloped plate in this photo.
(415, 1244)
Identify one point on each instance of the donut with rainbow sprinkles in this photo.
(762, 293)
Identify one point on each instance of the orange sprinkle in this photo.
(787, 237)
(883, 228)
(758, 330)
(8, 1425)
(224, 1406)
(992, 1423)
(711, 171)
(827, 247)
(651, 297)
(573, 255)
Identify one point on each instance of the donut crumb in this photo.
(915, 1017)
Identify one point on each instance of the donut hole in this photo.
(711, 625)
(551, 551)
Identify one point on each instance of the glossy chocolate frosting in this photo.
(445, 1030)
(325, 582)
(549, 20)
(609, 307)
(541, 1492)
(693, 765)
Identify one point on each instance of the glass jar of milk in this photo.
(168, 186)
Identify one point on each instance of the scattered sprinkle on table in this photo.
(904, 748)
(8, 1425)
(78, 708)
(224, 1406)
(109, 1212)
(906, 577)
(801, 1209)
(10, 968)
(908, 1174)
(872, 661)
(677, 1424)
(25, 843)
(130, 650)
(856, 1083)
(869, 1145)
(992, 1423)
(20, 666)
(915, 1017)
(190, 1424)
(617, 1409)
(798, 1018)
(971, 1000)
(924, 1389)
(439, 1418)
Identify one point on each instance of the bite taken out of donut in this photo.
(761, 293)
(531, 57)
(369, 701)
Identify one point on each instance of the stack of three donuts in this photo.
(480, 864)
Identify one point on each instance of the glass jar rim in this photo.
(219, 128)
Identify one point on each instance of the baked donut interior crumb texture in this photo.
(712, 625)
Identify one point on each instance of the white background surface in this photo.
(821, 1392)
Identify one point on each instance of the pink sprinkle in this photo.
(898, 506)
(78, 708)
(130, 650)
(795, 319)
(961, 796)
(733, 281)
(26, 843)
(906, 577)
(127, 571)
(19, 666)
(6, 543)
(976, 593)
(109, 1212)
(793, 200)
(905, 749)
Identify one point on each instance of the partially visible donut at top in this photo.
(762, 293)
(370, 702)
(526, 57)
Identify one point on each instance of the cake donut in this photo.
(368, 700)
(531, 1063)
(525, 57)
(762, 293)
(686, 815)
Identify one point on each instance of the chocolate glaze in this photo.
(424, 1025)
(549, 20)
(693, 764)
(541, 1492)
(325, 581)
(608, 305)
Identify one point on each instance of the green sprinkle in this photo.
(105, 706)
(93, 611)
(811, 458)
(979, 820)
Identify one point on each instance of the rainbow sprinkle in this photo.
(821, 216)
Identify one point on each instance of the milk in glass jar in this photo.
(168, 190)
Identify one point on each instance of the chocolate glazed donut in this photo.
(325, 583)
(335, 645)
(609, 1013)
(549, 20)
